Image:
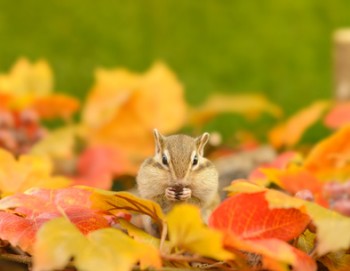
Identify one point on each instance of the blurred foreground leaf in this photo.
(59, 241)
(23, 214)
(187, 231)
(116, 202)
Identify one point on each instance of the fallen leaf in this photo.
(59, 241)
(306, 242)
(95, 166)
(329, 159)
(98, 165)
(123, 108)
(275, 254)
(296, 178)
(19, 231)
(281, 162)
(338, 116)
(187, 231)
(5, 100)
(28, 79)
(249, 217)
(37, 200)
(26, 172)
(116, 202)
(56, 106)
(138, 234)
(336, 261)
(332, 233)
(58, 144)
(250, 105)
(289, 133)
(24, 214)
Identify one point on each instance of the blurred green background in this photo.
(282, 48)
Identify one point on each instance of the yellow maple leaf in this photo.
(26, 172)
(290, 132)
(26, 78)
(30, 85)
(109, 249)
(123, 108)
(143, 237)
(250, 105)
(57, 144)
(332, 227)
(115, 202)
(187, 231)
(138, 234)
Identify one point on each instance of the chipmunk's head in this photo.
(180, 155)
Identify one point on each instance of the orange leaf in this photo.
(29, 211)
(5, 100)
(290, 132)
(56, 106)
(19, 231)
(249, 217)
(37, 200)
(26, 172)
(294, 179)
(280, 162)
(276, 255)
(329, 159)
(338, 116)
(331, 227)
(124, 107)
(98, 165)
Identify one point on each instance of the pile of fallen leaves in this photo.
(57, 212)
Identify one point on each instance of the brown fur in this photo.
(154, 177)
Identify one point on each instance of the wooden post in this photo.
(341, 62)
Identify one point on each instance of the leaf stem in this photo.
(16, 258)
(189, 258)
(163, 235)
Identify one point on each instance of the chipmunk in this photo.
(178, 173)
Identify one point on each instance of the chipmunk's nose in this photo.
(182, 181)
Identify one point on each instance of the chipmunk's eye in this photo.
(164, 160)
(195, 160)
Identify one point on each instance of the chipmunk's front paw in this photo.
(171, 194)
(174, 193)
(185, 194)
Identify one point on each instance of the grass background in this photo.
(281, 48)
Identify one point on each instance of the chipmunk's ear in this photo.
(158, 140)
(201, 141)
